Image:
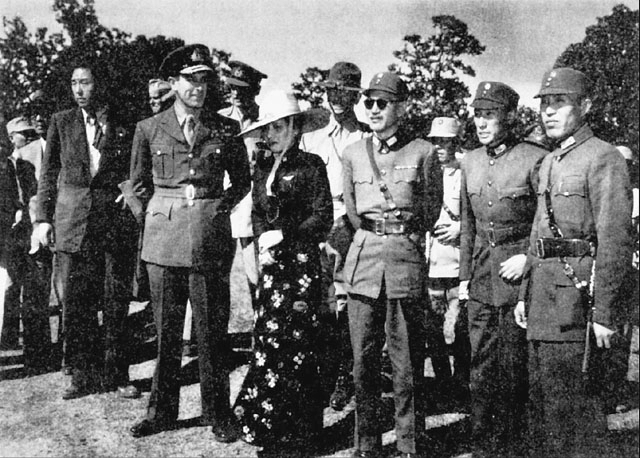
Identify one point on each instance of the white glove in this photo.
(269, 239)
(42, 236)
(520, 315)
(463, 291)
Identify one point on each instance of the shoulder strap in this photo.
(555, 230)
(383, 186)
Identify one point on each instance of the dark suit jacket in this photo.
(181, 232)
(83, 204)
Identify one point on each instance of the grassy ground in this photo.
(35, 421)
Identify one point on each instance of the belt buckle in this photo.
(380, 226)
(491, 236)
(540, 248)
(190, 192)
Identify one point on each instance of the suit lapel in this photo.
(79, 137)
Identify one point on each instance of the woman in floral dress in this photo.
(280, 403)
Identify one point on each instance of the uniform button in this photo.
(493, 244)
(566, 193)
(383, 172)
(490, 204)
(190, 156)
(489, 183)
(491, 162)
(192, 172)
(217, 150)
(490, 223)
(158, 152)
(385, 215)
(190, 203)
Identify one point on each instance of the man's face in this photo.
(18, 139)
(341, 100)
(445, 148)
(40, 124)
(384, 116)
(279, 135)
(190, 90)
(562, 115)
(83, 87)
(242, 96)
(490, 124)
(155, 101)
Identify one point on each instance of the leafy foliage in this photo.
(608, 55)
(122, 65)
(431, 68)
(308, 88)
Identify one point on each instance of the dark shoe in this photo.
(342, 393)
(366, 454)
(406, 455)
(226, 432)
(128, 392)
(148, 428)
(74, 392)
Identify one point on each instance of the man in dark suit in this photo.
(85, 158)
(179, 160)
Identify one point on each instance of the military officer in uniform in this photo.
(329, 142)
(580, 249)
(244, 85)
(498, 198)
(179, 159)
(385, 266)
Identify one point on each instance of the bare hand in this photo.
(265, 258)
(603, 335)
(463, 291)
(520, 315)
(42, 236)
(447, 234)
(121, 198)
(513, 268)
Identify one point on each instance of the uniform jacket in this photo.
(414, 178)
(444, 260)
(178, 231)
(591, 200)
(498, 193)
(83, 204)
(301, 201)
(329, 143)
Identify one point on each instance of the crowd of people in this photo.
(366, 250)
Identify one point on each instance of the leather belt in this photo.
(558, 248)
(189, 192)
(382, 226)
(505, 234)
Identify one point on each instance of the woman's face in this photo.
(280, 135)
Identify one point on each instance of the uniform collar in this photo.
(580, 136)
(496, 151)
(181, 114)
(384, 146)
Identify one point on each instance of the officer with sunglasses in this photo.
(393, 195)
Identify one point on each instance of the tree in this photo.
(431, 66)
(308, 88)
(608, 55)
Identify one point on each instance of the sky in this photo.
(282, 38)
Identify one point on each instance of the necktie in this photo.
(189, 129)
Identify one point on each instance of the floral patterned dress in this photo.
(280, 401)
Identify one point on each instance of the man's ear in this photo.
(585, 106)
(512, 115)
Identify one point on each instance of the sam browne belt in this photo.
(382, 226)
(560, 247)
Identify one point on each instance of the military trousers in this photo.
(208, 293)
(498, 380)
(403, 320)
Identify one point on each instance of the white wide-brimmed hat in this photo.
(444, 127)
(280, 104)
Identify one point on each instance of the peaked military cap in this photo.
(244, 75)
(492, 94)
(387, 86)
(344, 76)
(186, 60)
(563, 80)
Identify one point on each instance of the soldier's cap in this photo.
(387, 86)
(186, 60)
(444, 127)
(158, 87)
(563, 80)
(19, 124)
(280, 104)
(626, 152)
(244, 75)
(344, 76)
(492, 94)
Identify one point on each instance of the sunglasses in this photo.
(382, 104)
